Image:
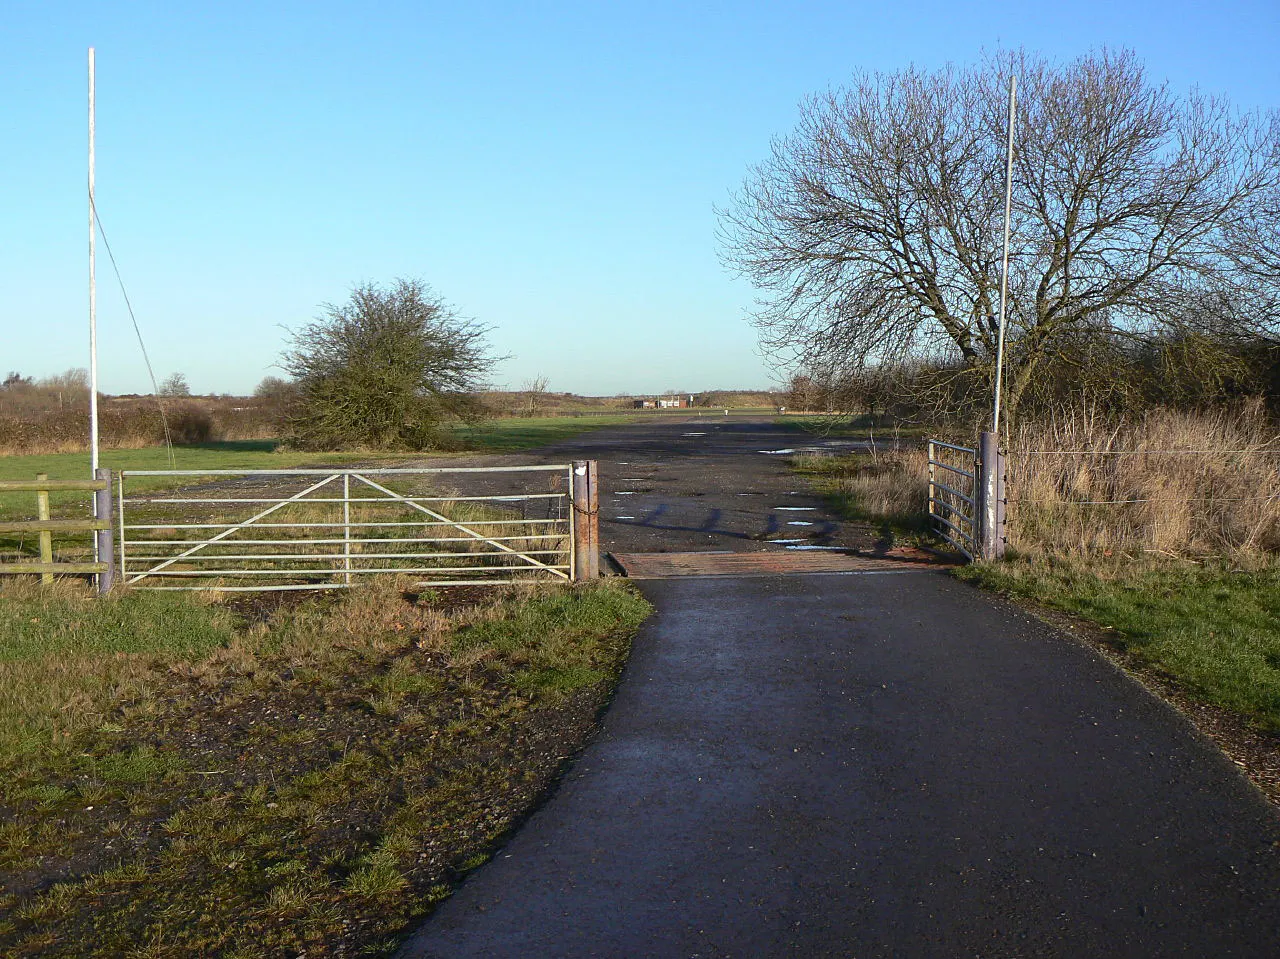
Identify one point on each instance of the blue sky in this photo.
(551, 169)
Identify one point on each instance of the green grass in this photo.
(507, 434)
(512, 434)
(65, 657)
(1213, 630)
(245, 454)
(313, 783)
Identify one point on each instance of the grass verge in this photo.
(1214, 631)
(278, 777)
(886, 490)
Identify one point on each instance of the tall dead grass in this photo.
(887, 486)
(1169, 482)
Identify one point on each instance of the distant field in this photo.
(511, 434)
(498, 435)
(508, 434)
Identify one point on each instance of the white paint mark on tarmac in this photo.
(624, 517)
(629, 492)
(799, 522)
(797, 509)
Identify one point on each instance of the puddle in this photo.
(775, 452)
(841, 548)
(624, 517)
(633, 479)
(693, 434)
(625, 493)
(797, 509)
(786, 541)
(799, 522)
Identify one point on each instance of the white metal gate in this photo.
(249, 530)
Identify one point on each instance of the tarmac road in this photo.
(882, 764)
(701, 482)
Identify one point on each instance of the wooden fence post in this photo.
(45, 536)
(586, 526)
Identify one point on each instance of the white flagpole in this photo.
(1004, 270)
(93, 298)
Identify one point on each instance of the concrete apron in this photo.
(875, 765)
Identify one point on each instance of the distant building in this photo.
(664, 403)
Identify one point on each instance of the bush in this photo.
(190, 425)
(384, 369)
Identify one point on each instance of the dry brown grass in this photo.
(133, 423)
(888, 487)
(1171, 482)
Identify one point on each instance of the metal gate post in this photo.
(990, 489)
(593, 519)
(346, 527)
(586, 525)
(105, 537)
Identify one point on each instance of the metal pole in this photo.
(93, 292)
(1004, 269)
(93, 311)
(990, 494)
(103, 537)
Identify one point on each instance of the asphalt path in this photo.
(700, 482)
(873, 764)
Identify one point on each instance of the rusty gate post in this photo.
(990, 498)
(105, 538)
(586, 526)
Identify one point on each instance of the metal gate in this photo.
(953, 495)
(249, 530)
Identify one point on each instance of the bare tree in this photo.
(175, 384)
(533, 395)
(874, 230)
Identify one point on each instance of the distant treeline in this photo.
(1109, 375)
(50, 415)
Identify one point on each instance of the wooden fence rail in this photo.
(45, 527)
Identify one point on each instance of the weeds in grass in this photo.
(294, 817)
(377, 875)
